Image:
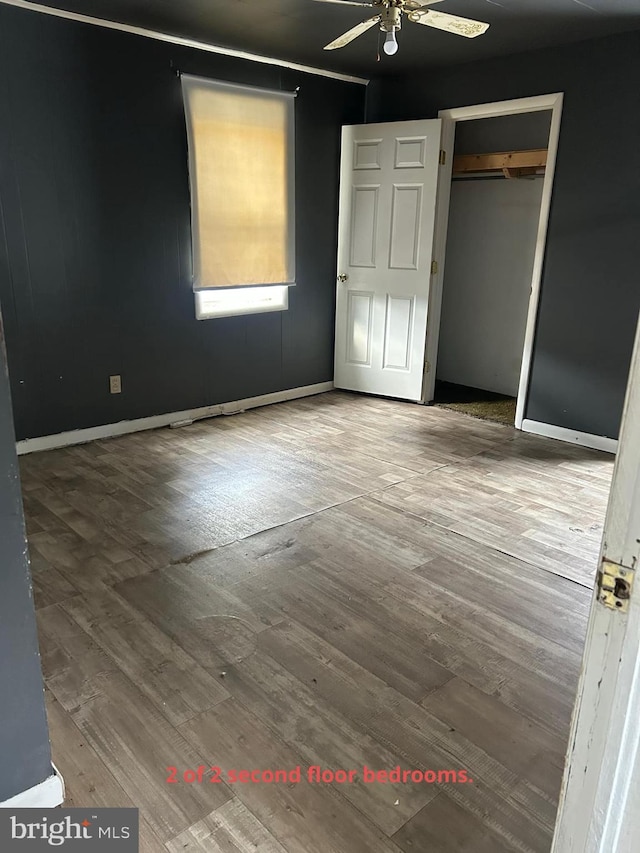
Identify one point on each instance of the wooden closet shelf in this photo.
(510, 163)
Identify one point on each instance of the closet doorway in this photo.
(490, 249)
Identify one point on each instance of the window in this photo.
(241, 171)
(241, 300)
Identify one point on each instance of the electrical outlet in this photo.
(115, 384)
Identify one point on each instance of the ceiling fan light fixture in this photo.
(389, 18)
(390, 46)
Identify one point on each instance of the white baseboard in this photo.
(585, 439)
(81, 436)
(46, 795)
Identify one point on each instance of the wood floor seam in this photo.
(506, 553)
(190, 558)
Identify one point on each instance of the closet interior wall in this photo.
(493, 223)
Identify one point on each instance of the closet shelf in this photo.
(512, 164)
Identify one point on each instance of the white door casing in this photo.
(388, 186)
(449, 118)
(600, 799)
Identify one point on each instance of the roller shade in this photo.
(241, 172)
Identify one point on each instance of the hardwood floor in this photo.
(338, 581)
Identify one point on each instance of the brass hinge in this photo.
(615, 584)
(427, 367)
(434, 268)
(443, 157)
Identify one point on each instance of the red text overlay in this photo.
(205, 774)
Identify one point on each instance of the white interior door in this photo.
(388, 186)
(600, 799)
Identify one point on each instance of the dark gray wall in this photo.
(95, 264)
(590, 294)
(503, 133)
(25, 758)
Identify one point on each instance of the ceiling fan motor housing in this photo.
(391, 19)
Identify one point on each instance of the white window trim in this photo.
(235, 301)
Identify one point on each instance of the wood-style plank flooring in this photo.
(338, 581)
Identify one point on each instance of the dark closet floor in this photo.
(476, 402)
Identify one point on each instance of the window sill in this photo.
(234, 302)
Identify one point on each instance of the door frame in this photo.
(537, 103)
(599, 809)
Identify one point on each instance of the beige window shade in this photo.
(241, 171)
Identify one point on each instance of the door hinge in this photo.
(434, 268)
(615, 584)
(427, 367)
(443, 157)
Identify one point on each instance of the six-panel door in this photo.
(387, 212)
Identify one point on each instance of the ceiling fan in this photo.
(389, 17)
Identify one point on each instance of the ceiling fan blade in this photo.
(409, 5)
(450, 23)
(350, 2)
(352, 34)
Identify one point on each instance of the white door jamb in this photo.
(537, 103)
(600, 799)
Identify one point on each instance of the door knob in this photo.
(343, 277)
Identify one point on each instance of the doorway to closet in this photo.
(512, 158)
(497, 181)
